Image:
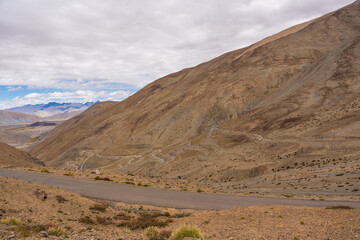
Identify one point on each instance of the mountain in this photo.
(53, 108)
(63, 116)
(16, 118)
(11, 156)
(288, 102)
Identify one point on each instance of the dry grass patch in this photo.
(86, 220)
(98, 207)
(339, 207)
(103, 220)
(187, 231)
(146, 220)
(154, 233)
(60, 199)
(11, 221)
(102, 178)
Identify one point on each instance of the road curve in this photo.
(161, 197)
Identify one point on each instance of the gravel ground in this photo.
(19, 201)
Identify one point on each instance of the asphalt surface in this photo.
(161, 197)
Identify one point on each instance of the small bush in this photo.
(55, 232)
(86, 220)
(103, 220)
(39, 228)
(130, 183)
(60, 199)
(288, 195)
(44, 170)
(11, 221)
(69, 174)
(122, 216)
(164, 234)
(102, 178)
(338, 207)
(144, 222)
(187, 231)
(200, 191)
(23, 230)
(153, 234)
(26, 230)
(98, 207)
(181, 215)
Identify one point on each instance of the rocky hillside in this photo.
(11, 156)
(278, 104)
(16, 118)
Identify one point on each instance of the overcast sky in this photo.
(69, 50)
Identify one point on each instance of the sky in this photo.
(90, 50)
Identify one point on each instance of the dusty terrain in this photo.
(23, 136)
(282, 115)
(66, 214)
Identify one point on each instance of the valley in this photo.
(263, 137)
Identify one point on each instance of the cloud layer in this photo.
(89, 50)
(89, 44)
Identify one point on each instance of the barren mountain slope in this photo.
(10, 156)
(279, 104)
(16, 118)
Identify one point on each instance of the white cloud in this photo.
(88, 44)
(75, 96)
(14, 88)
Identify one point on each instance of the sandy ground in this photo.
(19, 201)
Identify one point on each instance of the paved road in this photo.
(160, 197)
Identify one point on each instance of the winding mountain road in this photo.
(160, 197)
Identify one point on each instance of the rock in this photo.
(11, 236)
(44, 234)
(41, 194)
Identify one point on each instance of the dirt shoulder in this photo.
(77, 217)
(187, 185)
(162, 197)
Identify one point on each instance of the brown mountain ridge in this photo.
(285, 104)
(10, 156)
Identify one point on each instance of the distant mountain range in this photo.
(52, 108)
